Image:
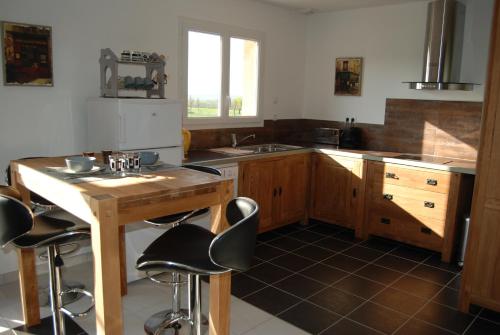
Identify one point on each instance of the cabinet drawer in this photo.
(423, 179)
(428, 234)
(409, 202)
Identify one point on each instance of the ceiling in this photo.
(313, 6)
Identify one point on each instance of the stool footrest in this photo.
(77, 314)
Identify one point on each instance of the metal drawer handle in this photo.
(432, 182)
(429, 204)
(385, 221)
(426, 230)
(391, 175)
(388, 196)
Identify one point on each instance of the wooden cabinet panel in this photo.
(424, 179)
(336, 189)
(256, 181)
(292, 176)
(481, 274)
(279, 185)
(409, 202)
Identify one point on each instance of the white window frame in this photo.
(226, 32)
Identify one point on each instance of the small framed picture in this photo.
(348, 76)
(27, 54)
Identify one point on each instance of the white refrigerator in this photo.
(136, 125)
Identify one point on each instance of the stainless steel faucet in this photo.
(235, 141)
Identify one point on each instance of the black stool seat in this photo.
(53, 227)
(177, 217)
(181, 249)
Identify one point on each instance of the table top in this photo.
(133, 190)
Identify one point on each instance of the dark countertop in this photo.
(209, 157)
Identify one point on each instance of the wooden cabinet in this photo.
(481, 274)
(337, 190)
(280, 185)
(418, 206)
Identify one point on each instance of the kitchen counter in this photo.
(209, 157)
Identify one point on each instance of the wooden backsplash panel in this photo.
(442, 128)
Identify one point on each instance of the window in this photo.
(220, 74)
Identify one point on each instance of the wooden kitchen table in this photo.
(107, 205)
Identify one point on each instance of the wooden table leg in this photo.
(28, 279)
(220, 285)
(106, 249)
(123, 262)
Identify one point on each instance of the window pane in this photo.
(244, 77)
(204, 75)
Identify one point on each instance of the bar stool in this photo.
(21, 228)
(196, 251)
(39, 205)
(170, 221)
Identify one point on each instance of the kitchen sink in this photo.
(264, 148)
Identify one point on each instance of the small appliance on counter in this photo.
(327, 136)
(350, 136)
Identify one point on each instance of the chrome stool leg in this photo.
(55, 289)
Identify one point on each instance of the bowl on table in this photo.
(149, 157)
(80, 163)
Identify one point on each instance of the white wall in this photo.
(52, 121)
(391, 41)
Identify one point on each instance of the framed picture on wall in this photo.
(27, 54)
(348, 76)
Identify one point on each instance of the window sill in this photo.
(199, 124)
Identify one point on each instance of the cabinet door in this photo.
(256, 181)
(292, 180)
(335, 189)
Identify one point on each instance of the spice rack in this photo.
(110, 87)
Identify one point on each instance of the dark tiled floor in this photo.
(323, 280)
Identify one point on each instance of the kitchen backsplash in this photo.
(442, 128)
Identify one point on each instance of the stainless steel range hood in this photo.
(443, 47)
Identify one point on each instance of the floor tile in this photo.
(347, 235)
(336, 301)
(378, 317)
(242, 285)
(348, 327)
(455, 283)
(380, 244)
(362, 253)
(417, 327)
(416, 286)
(324, 273)
(333, 244)
(286, 243)
(396, 263)
(291, 228)
(445, 317)
(483, 327)
(313, 252)
(379, 274)
(267, 236)
(306, 236)
(325, 229)
(399, 301)
(411, 253)
(300, 286)
(292, 262)
(309, 317)
(268, 273)
(271, 300)
(433, 274)
(344, 262)
(435, 260)
(490, 315)
(276, 326)
(245, 316)
(359, 286)
(448, 297)
(267, 252)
